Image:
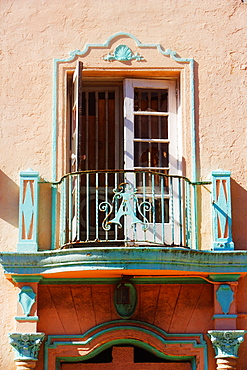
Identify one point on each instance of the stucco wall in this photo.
(35, 32)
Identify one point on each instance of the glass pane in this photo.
(151, 100)
(147, 182)
(159, 206)
(151, 154)
(151, 127)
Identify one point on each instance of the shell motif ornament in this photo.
(123, 53)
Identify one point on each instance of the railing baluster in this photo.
(180, 212)
(87, 206)
(106, 199)
(115, 210)
(162, 209)
(188, 212)
(78, 209)
(154, 208)
(70, 206)
(62, 239)
(135, 208)
(97, 206)
(171, 216)
(144, 198)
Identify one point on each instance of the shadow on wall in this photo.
(239, 215)
(9, 200)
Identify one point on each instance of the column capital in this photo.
(226, 342)
(26, 345)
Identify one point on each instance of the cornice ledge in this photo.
(123, 258)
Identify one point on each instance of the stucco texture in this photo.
(34, 32)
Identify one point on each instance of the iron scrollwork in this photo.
(124, 194)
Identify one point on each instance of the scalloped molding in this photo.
(123, 53)
(168, 346)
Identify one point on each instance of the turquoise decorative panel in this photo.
(226, 342)
(26, 345)
(28, 211)
(26, 299)
(224, 296)
(222, 214)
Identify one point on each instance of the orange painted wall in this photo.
(173, 308)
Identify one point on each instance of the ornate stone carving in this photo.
(226, 342)
(123, 53)
(26, 345)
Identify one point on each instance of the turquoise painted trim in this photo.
(123, 259)
(221, 211)
(27, 278)
(26, 298)
(27, 318)
(133, 342)
(167, 52)
(224, 317)
(114, 281)
(28, 211)
(224, 277)
(126, 325)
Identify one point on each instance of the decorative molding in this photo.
(27, 278)
(224, 296)
(123, 259)
(27, 318)
(183, 347)
(123, 53)
(226, 342)
(26, 345)
(27, 298)
(224, 277)
(215, 317)
(165, 52)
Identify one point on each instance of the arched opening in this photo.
(128, 357)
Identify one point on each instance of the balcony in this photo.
(124, 208)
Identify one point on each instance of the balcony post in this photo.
(221, 209)
(28, 211)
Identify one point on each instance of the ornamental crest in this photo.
(123, 53)
(129, 206)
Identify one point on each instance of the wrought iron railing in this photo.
(125, 207)
(117, 206)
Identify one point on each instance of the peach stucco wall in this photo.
(34, 32)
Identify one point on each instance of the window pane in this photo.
(151, 154)
(151, 127)
(151, 100)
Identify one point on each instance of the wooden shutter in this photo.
(76, 119)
